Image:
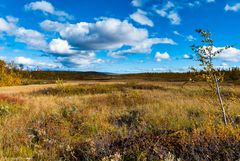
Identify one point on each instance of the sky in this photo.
(116, 36)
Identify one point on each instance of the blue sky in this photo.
(126, 36)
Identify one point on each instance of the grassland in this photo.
(118, 120)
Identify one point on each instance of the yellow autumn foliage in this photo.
(9, 76)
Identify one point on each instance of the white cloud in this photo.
(210, 1)
(71, 58)
(105, 34)
(23, 60)
(190, 38)
(33, 39)
(141, 18)
(169, 12)
(6, 26)
(81, 59)
(144, 47)
(186, 56)
(235, 7)
(224, 66)
(52, 26)
(178, 34)
(99, 61)
(163, 12)
(12, 19)
(34, 63)
(159, 56)
(61, 47)
(47, 8)
(138, 3)
(231, 54)
(194, 4)
(174, 18)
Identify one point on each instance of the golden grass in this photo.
(50, 127)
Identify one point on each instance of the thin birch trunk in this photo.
(220, 101)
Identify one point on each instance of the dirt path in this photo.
(29, 88)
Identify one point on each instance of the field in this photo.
(118, 120)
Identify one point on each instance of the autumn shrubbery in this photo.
(118, 121)
(9, 74)
(63, 90)
(70, 134)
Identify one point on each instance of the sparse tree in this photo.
(206, 53)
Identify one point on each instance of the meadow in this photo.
(119, 120)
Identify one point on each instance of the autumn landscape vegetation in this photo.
(99, 116)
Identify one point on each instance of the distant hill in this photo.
(231, 75)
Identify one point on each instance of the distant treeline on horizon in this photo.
(12, 74)
(231, 74)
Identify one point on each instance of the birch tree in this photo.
(206, 52)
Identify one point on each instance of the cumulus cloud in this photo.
(159, 56)
(53, 26)
(60, 47)
(6, 26)
(144, 47)
(105, 34)
(231, 54)
(33, 39)
(47, 8)
(169, 12)
(34, 63)
(69, 57)
(141, 18)
(235, 7)
(82, 59)
(79, 43)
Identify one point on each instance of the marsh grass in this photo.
(95, 89)
(128, 121)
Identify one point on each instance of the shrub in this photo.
(9, 75)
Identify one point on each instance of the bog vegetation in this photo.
(149, 116)
(120, 120)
